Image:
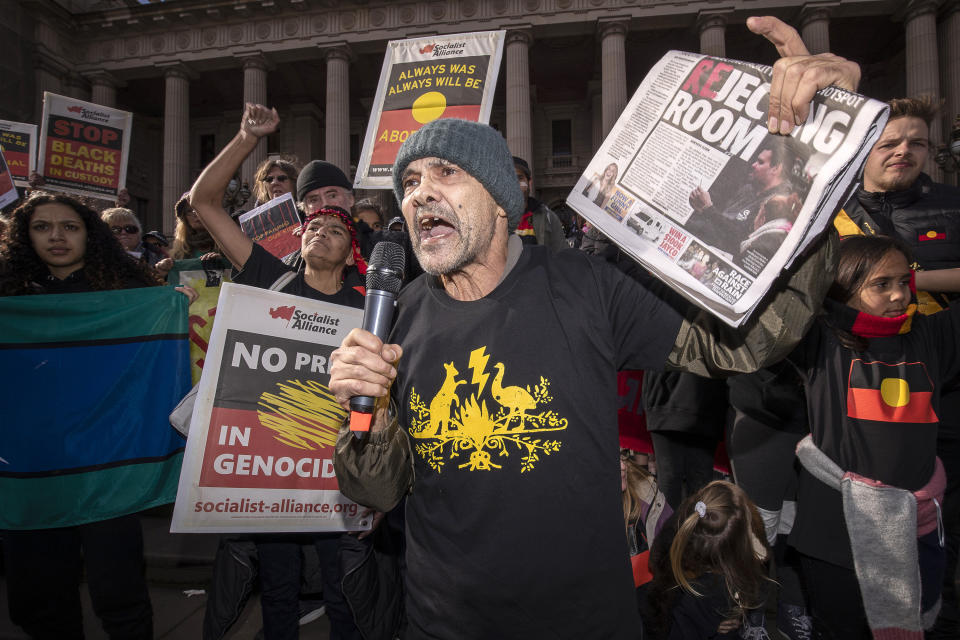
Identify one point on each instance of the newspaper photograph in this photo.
(424, 79)
(690, 183)
(259, 454)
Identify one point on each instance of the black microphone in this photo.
(384, 277)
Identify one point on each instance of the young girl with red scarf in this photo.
(868, 505)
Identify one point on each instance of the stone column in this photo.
(613, 36)
(519, 136)
(713, 30)
(50, 69)
(255, 91)
(596, 119)
(923, 70)
(75, 86)
(306, 143)
(49, 73)
(337, 125)
(103, 88)
(176, 140)
(950, 69)
(815, 29)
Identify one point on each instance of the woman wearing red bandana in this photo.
(871, 484)
(328, 244)
(328, 239)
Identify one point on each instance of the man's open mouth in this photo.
(432, 226)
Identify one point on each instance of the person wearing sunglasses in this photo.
(274, 177)
(127, 230)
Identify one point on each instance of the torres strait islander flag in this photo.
(89, 382)
(890, 392)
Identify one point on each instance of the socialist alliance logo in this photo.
(306, 321)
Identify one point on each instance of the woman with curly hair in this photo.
(56, 244)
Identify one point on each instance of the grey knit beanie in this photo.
(476, 148)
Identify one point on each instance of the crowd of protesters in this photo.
(834, 491)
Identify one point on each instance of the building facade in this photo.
(185, 68)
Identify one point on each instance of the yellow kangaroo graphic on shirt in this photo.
(473, 430)
(442, 403)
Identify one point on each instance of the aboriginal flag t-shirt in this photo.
(874, 412)
(514, 524)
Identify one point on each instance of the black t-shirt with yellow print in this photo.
(515, 525)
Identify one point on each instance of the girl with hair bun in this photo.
(709, 565)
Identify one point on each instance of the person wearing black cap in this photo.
(503, 432)
(322, 184)
(538, 224)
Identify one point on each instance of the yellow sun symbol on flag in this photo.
(429, 107)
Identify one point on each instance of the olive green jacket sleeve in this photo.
(376, 471)
(708, 347)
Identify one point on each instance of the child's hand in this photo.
(728, 625)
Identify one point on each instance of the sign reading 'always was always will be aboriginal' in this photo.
(424, 79)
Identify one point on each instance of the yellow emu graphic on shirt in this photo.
(471, 425)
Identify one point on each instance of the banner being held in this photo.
(260, 452)
(8, 192)
(206, 280)
(19, 143)
(89, 382)
(83, 147)
(423, 79)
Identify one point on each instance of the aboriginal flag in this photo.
(890, 392)
(89, 382)
(423, 91)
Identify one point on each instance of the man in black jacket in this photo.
(899, 200)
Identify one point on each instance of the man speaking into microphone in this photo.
(503, 438)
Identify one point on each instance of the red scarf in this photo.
(870, 326)
(345, 218)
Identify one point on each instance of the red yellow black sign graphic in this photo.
(890, 392)
(423, 91)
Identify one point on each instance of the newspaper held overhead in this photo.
(690, 183)
(83, 147)
(19, 142)
(260, 452)
(423, 79)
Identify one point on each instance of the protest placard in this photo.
(83, 146)
(271, 225)
(8, 192)
(19, 143)
(260, 452)
(205, 277)
(423, 79)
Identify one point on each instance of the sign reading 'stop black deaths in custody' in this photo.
(83, 146)
(19, 143)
